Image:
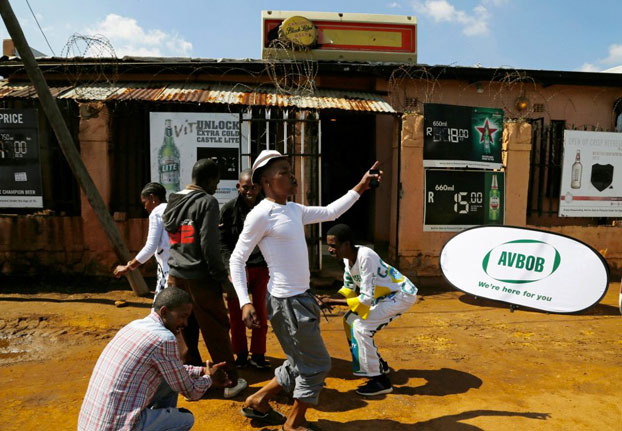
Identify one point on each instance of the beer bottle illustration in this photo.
(494, 200)
(168, 161)
(577, 170)
(487, 138)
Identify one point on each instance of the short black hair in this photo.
(155, 189)
(248, 172)
(171, 298)
(342, 232)
(205, 170)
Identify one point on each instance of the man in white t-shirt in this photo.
(376, 294)
(277, 227)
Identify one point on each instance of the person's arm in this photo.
(335, 209)
(210, 242)
(368, 279)
(255, 226)
(150, 247)
(190, 381)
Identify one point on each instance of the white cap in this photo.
(262, 160)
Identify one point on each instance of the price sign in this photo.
(458, 199)
(462, 136)
(20, 170)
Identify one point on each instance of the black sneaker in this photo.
(384, 367)
(375, 386)
(241, 361)
(259, 361)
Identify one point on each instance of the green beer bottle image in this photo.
(168, 161)
(494, 201)
(487, 138)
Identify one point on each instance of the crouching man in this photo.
(138, 376)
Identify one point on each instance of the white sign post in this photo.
(179, 139)
(525, 267)
(591, 183)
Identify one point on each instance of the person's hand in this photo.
(219, 376)
(364, 183)
(324, 301)
(249, 316)
(120, 270)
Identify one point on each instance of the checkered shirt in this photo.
(128, 373)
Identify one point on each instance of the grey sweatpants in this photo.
(296, 323)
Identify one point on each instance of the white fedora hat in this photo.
(262, 160)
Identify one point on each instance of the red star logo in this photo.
(486, 129)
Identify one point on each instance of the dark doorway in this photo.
(348, 148)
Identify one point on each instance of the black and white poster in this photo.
(20, 168)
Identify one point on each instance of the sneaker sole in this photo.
(369, 394)
(234, 391)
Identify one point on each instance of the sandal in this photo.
(271, 417)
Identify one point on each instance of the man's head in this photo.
(174, 306)
(205, 174)
(247, 189)
(340, 241)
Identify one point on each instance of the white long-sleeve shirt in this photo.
(157, 240)
(369, 271)
(279, 232)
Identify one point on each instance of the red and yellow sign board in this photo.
(345, 36)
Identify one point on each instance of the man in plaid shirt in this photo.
(137, 378)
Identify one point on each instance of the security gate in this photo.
(296, 134)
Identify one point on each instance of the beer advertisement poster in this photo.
(526, 267)
(459, 199)
(179, 139)
(462, 136)
(20, 167)
(591, 183)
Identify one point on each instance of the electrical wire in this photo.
(40, 29)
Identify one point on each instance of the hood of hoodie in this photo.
(178, 204)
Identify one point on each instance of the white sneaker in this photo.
(239, 387)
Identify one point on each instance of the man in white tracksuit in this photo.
(277, 227)
(377, 294)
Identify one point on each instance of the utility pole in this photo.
(65, 140)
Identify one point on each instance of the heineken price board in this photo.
(526, 267)
(20, 168)
(458, 199)
(462, 136)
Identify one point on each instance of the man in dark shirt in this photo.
(196, 266)
(232, 216)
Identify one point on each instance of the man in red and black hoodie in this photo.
(191, 220)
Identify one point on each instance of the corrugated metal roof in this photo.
(230, 94)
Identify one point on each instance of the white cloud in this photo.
(394, 5)
(613, 59)
(473, 24)
(615, 55)
(588, 67)
(129, 38)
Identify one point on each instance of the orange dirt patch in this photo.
(458, 364)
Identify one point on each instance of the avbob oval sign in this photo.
(527, 267)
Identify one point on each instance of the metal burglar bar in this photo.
(296, 134)
(545, 167)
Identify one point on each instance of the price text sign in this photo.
(20, 169)
(457, 199)
(462, 136)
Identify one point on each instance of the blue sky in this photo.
(529, 34)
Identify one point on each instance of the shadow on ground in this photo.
(443, 423)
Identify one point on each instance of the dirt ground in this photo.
(458, 363)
